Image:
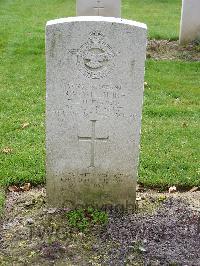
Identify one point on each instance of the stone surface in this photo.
(95, 77)
(190, 21)
(106, 8)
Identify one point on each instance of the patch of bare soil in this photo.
(171, 50)
(164, 230)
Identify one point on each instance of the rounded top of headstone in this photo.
(97, 19)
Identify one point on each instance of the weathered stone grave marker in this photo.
(95, 76)
(190, 21)
(106, 8)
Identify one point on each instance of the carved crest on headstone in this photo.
(95, 57)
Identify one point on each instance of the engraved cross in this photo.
(92, 141)
(99, 5)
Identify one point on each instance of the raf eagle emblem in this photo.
(95, 57)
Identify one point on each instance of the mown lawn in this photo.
(169, 151)
(161, 16)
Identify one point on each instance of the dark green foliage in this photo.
(2, 200)
(83, 219)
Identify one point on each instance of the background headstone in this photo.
(95, 77)
(190, 21)
(106, 8)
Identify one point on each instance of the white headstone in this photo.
(106, 8)
(95, 76)
(190, 21)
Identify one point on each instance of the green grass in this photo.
(85, 219)
(161, 16)
(2, 200)
(170, 150)
(169, 133)
(28, 18)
